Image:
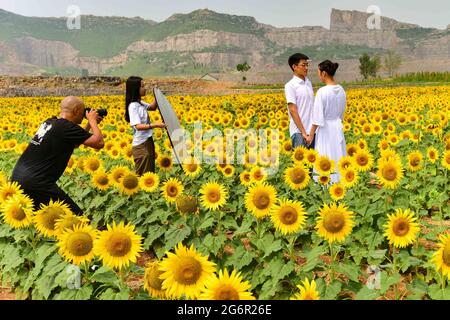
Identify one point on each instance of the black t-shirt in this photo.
(48, 153)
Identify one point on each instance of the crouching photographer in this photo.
(46, 157)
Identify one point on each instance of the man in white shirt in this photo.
(300, 100)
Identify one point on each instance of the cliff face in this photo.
(222, 45)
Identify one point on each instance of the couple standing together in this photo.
(316, 122)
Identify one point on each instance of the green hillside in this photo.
(106, 37)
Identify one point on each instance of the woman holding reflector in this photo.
(136, 113)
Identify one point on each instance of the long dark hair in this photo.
(133, 93)
(329, 67)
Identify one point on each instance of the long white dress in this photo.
(328, 113)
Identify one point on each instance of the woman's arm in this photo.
(152, 106)
(141, 127)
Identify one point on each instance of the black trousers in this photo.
(44, 195)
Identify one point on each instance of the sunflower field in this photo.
(233, 230)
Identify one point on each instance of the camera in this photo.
(101, 112)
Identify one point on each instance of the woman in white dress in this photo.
(328, 113)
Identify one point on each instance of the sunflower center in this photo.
(362, 160)
(165, 162)
(446, 254)
(149, 182)
(299, 155)
(401, 227)
(261, 200)
(213, 196)
(80, 244)
(130, 182)
(338, 191)
(102, 180)
(389, 173)
(288, 216)
(192, 167)
(350, 176)
(334, 222)
(50, 216)
(153, 279)
(188, 271)
(18, 214)
(94, 165)
(119, 244)
(325, 165)
(297, 175)
(415, 162)
(227, 292)
(172, 191)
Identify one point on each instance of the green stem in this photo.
(291, 247)
(332, 260)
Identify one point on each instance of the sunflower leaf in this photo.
(214, 243)
(105, 275)
(388, 281)
(176, 234)
(153, 233)
(367, 294)
(313, 258)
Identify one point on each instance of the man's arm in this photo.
(96, 140)
(298, 122)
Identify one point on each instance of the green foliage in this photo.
(369, 66)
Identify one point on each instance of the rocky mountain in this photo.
(201, 41)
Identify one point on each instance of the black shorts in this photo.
(44, 195)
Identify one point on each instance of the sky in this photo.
(279, 13)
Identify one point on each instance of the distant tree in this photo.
(243, 67)
(392, 62)
(369, 66)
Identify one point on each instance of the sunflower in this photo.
(311, 157)
(298, 156)
(390, 173)
(325, 166)
(308, 291)
(228, 171)
(346, 162)
(118, 246)
(226, 287)
(260, 198)
(18, 211)
(446, 160)
(171, 189)
(246, 178)
(186, 204)
(8, 190)
(129, 184)
(77, 245)
(415, 161)
(192, 169)
(297, 177)
(352, 149)
(165, 162)
(117, 174)
(324, 180)
(100, 180)
(401, 229)
(349, 177)
(185, 272)
(432, 154)
(363, 160)
(258, 174)
(213, 196)
(334, 222)
(3, 179)
(289, 216)
(152, 281)
(441, 258)
(68, 222)
(149, 182)
(92, 164)
(45, 219)
(337, 191)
